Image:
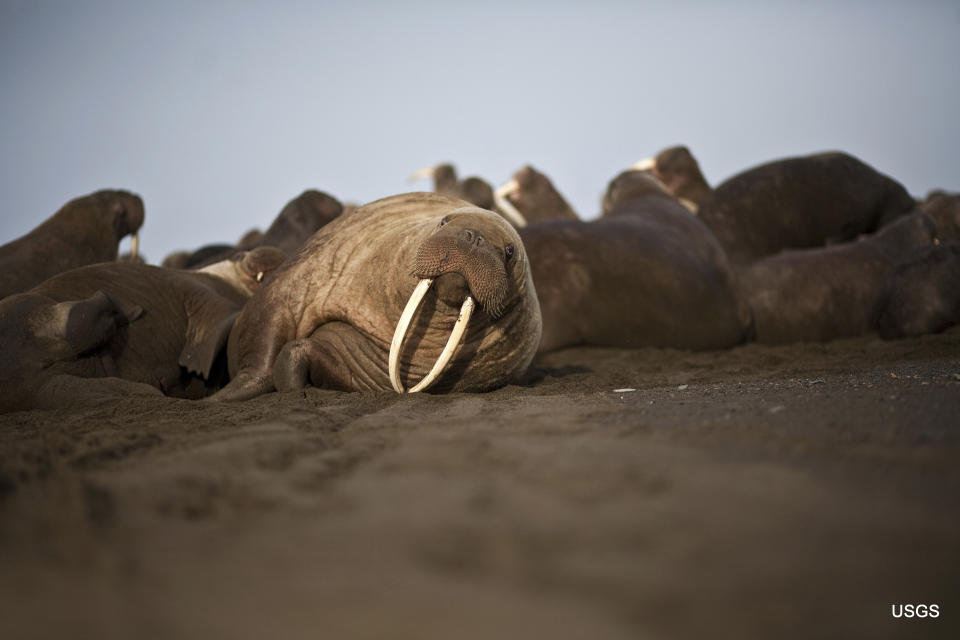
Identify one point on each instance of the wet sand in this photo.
(761, 492)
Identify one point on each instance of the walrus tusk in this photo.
(134, 244)
(689, 204)
(422, 174)
(510, 211)
(647, 164)
(401, 331)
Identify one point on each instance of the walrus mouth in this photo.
(413, 303)
(510, 211)
(134, 244)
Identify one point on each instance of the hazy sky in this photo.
(218, 113)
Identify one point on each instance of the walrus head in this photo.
(469, 259)
(479, 260)
(247, 270)
(680, 174)
(127, 211)
(633, 183)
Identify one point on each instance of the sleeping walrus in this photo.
(647, 273)
(801, 202)
(84, 231)
(337, 314)
(143, 324)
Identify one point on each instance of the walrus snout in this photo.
(472, 238)
(469, 253)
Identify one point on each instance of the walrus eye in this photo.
(444, 220)
(508, 251)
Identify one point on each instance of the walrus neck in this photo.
(228, 271)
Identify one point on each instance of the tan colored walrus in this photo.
(332, 315)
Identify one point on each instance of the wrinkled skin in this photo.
(816, 295)
(143, 324)
(328, 317)
(84, 231)
(680, 173)
(647, 273)
(802, 202)
(923, 296)
(296, 222)
(537, 199)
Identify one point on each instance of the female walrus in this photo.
(328, 318)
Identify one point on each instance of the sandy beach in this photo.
(761, 492)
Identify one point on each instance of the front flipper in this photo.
(209, 320)
(334, 356)
(243, 387)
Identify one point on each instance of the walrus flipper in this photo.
(243, 387)
(208, 326)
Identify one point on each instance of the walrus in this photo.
(922, 296)
(474, 190)
(296, 222)
(338, 314)
(817, 295)
(84, 231)
(530, 197)
(637, 185)
(680, 174)
(145, 324)
(647, 273)
(801, 202)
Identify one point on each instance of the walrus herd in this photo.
(461, 288)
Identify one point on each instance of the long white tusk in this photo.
(422, 174)
(647, 164)
(401, 331)
(689, 204)
(510, 211)
(134, 245)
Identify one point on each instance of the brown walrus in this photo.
(680, 174)
(332, 315)
(445, 181)
(296, 222)
(161, 327)
(84, 231)
(530, 197)
(647, 273)
(922, 296)
(816, 295)
(803, 202)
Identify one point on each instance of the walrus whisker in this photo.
(510, 211)
(134, 244)
(401, 331)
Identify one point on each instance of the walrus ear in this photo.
(209, 322)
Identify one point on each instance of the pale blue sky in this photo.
(218, 113)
